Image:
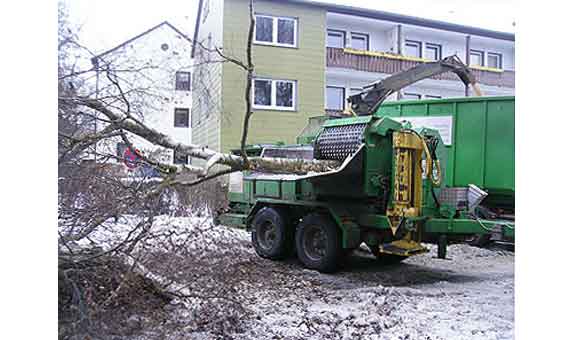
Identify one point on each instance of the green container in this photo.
(479, 133)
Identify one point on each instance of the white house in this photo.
(363, 46)
(153, 71)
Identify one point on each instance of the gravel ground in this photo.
(470, 295)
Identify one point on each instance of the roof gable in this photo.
(166, 23)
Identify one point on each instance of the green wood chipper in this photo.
(394, 191)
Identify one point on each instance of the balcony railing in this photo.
(338, 57)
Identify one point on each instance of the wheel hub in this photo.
(315, 243)
(267, 235)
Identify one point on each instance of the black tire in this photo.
(272, 237)
(318, 243)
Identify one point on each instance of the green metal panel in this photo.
(468, 226)
(236, 196)
(414, 110)
(469, 141)
(268, 188)
(347, 121)
(500, 170)
(288, 190)
(483, 138)
(248, 189)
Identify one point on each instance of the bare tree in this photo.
(94, 191)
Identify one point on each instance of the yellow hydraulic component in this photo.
(403, 247)
(407, 186)
(409, 147)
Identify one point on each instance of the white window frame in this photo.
(414, 42)
(189, 83)
(477, 52)
(343, 97)
(188, 115)
(334, 32)
(499, 59)
(273, 93)
(274, 41)
(362, 35)
(438, 48)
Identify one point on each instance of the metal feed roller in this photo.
(338, 142)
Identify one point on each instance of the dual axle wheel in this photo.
(317, 239)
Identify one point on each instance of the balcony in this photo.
(389, 64)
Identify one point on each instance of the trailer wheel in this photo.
(272, 238)
(318, 243)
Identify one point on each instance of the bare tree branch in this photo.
(248, 91)
(201, 152)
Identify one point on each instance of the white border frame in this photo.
(411, 41)
(344, 97)
(498, 55)
(274, 41)
(439, 48)
(273, 105)
(475, 51)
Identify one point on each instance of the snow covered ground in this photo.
(468, 296)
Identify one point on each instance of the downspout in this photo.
(399, 51)
(467, 43)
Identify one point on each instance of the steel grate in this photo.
(338, 142)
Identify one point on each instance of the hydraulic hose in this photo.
(430, 162)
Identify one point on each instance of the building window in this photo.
(335, 39)
(410, 96)
(334, 98)
(476, 58)
(274, 94)
(360, 41)
(181, 117)
(413, 48)
(180, 158)
(183, 81)
(278, 31)
(432, 51)
(494, 60)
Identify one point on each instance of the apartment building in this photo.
(153, 70)
(309, 56)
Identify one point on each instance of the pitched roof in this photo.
(381, 15)
(141, 35)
